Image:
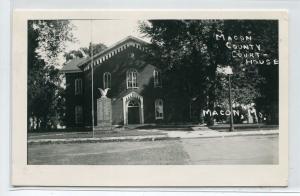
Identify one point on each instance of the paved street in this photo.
(261, 149)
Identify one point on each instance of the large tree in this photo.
(46, 41)
(189, 55)
(255, 82)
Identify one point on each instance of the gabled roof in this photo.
(72, 65)
(77, 65)
(119, 43)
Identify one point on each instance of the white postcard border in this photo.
(140, 175)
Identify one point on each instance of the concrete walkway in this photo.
(158, 134)
(207, 133)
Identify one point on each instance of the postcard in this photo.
(151, 98)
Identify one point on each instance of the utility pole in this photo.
(92, 72)
(230, 104)
(228, 71)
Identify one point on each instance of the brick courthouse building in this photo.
(135, 87)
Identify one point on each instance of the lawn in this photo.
(89, 134)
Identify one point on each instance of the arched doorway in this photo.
(133, 109)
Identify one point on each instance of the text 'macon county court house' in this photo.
(135, 86)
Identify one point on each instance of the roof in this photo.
(72, 66)
(75, 65)
(129, 38)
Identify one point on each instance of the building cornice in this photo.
(118, 47)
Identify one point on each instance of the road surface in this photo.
(261, 149)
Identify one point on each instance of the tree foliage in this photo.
(84, 51)
(46, 40)
(188, 53)
(255, 83)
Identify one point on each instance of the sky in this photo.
(107, 32)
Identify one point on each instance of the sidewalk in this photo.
(143, 135)
(205, 132)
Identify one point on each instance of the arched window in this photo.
(78, 86)
(106, 80)
(159, 109)
(133, 103)
(157, 78)
(131, 78)
(78, 114)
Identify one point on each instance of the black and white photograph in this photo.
(158, 92)
(139, 98)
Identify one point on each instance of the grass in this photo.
(99, 134)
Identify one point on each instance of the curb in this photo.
(99, 140)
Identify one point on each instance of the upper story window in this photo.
(78, 114)
(131, 78)
(131, 55)
(106, 80)
(159, 109)
(78, 86)
(157, 78)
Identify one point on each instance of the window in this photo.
(133, 103)
(131, 78)
(78, 114)
(78, 86)
(157, 78)
(106, 80)
(159, 109)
